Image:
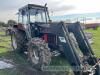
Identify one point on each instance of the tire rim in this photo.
(34, 57)
(14, 43)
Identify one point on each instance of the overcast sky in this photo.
(8, 8)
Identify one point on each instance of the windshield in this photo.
(38, 17)
(33, 15)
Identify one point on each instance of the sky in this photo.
(8, 8)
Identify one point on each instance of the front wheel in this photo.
(39, 53)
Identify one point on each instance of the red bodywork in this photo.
(45, 37)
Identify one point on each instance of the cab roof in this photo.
(32, 6)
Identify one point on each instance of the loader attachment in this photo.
(65, 44)
(71, 53)
(84, 45)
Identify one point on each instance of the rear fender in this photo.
(19, 26)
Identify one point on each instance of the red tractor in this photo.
(42, 39)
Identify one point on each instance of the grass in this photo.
(5, 52)
(2, 33)
(96, 38)
(5, 44)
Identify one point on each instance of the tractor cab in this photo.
(32, 17)
(33, 13)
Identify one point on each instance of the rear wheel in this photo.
(39, 53)
(14, 41)
(18, 41)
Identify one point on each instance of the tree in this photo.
(2, 24)
(11, 23)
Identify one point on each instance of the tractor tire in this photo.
(8, 32)
(39, 53)
(18, 41)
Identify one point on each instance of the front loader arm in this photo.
(84, 45)
(67, 46)
(69, 50)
